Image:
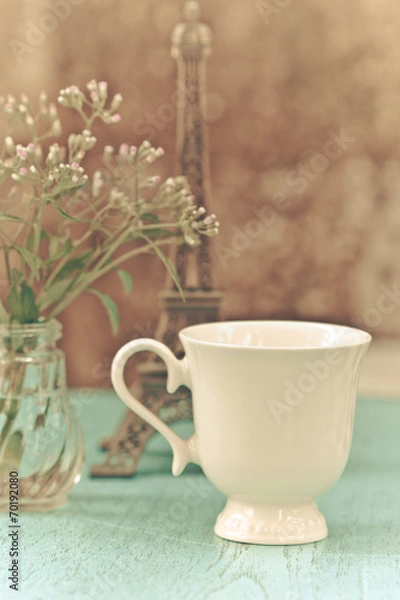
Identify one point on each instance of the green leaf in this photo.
(58, 248)
(3, 313)
(30, 241)
(168, 264)
(150, 217)
(126, 279)
(71, 191)
(22, 304)
(63, 213)
(54, 246)
(158, 233)
(16, 276)
(75, 264)
(33, 261)
(111, 308)
(174, 274)
(55, 293)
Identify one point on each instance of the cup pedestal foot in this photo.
(255, 523)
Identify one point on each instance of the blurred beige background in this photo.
(304, 115)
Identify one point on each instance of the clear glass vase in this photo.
(40, 436)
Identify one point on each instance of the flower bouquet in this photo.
(63, 225)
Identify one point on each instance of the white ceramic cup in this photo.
(273, 409)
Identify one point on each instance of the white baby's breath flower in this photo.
(97, 183)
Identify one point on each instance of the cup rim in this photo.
(364, 337)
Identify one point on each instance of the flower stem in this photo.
(96, 274)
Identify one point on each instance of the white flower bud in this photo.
(103, 90)
(92, 85)
(116, 102)
(10, 146)
(53, 111)
(72, 142)
(56, 128)
(97, 183)
(88, 143)
(38, 154)
(107, 153)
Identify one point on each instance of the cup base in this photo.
(255, 523)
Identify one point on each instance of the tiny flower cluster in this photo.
(194, 222)
(73, 97)
(79, 144)
(66, 177)
(17, 111)
(175, 193)
(23, 163)
(127, 155)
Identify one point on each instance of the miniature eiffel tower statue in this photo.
(191, 45)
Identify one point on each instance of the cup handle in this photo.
(178, 374)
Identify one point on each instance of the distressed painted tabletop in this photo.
(151, 537)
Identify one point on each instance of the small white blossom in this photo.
(97, 183)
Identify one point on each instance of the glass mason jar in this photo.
(40, 436)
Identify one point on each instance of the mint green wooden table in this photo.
(151, 537)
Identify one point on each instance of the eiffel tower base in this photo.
(126, 446)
